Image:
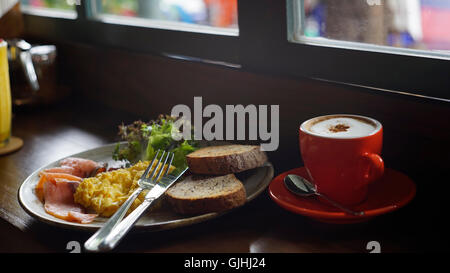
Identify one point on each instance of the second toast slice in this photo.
(198, 194)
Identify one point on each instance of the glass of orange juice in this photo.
(5, 96)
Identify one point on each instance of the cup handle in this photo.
(374, 167)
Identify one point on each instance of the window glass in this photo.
(50, 8)
(215, 13)
(412, 24)
(50, 4)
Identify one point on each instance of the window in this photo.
(210, 16)
(400, 46)
(202, 30)
(422, 26)
(215, 13)
(51, 8)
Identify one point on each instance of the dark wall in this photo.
(416, 136)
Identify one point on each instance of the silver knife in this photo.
(123, 227)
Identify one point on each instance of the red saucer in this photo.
(393, 191)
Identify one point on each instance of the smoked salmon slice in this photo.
(49, 177)
(59, 202)
(79, 166)
(64, 169)
(57, 186)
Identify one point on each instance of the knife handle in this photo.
(123, 227)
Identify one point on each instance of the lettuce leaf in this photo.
(145, 139)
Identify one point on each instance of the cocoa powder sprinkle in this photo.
(338, 128)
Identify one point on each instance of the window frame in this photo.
(262, 46)
(206, 45)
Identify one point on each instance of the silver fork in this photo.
(119, 232)
(95, 241)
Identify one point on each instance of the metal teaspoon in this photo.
(302, 187)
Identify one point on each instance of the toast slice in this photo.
(198, 194)
(226, 159)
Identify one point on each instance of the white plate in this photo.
(255, 182)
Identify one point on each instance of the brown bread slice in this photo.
(225, 159)
(198, 194)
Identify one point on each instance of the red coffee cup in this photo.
(342, 155)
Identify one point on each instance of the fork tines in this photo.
(164, 157)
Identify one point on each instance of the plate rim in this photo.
(49, 219)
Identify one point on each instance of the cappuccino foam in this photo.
(343, 127)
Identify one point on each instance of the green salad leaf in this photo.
(144, 139)
(180, 153)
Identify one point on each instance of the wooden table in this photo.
(260, 226)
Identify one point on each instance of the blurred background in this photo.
(217, 13)
(419, 24)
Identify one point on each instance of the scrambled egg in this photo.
(106, 192)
